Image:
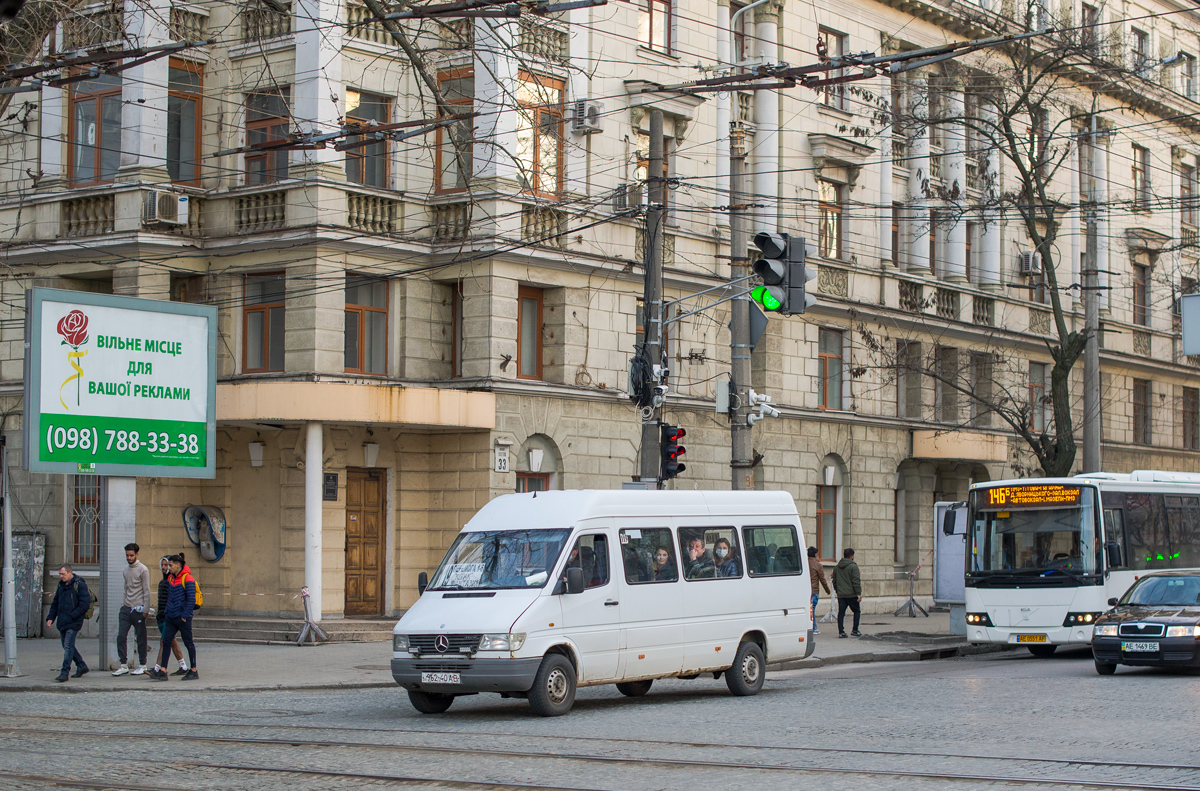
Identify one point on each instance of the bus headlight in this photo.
(1184, 631)
(400, 643)
(1080, 618)
(978, 619)
(502, 642)
(1105, 630)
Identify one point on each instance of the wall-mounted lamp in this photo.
(535, 459)
(370, 453)
(256, 451)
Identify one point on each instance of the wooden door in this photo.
(364, 542)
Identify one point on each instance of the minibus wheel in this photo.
(748, 672)
(634, 689)
(429, 702)
(1042, 651)
(553, 691)
(1105, 668)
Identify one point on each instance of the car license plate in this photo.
(440, 678)
(1139, 647)
(1031, 638)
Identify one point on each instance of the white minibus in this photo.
(544, 592)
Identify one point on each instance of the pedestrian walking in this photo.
(71, 602)
(160, 616)
(847, 584)
(816, 573)
(181, 600)
(134, 605)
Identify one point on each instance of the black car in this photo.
(1156, 623)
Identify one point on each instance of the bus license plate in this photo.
(440, 678)
(1139, 647)
(1031, 638)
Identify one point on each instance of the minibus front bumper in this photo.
(475, 675)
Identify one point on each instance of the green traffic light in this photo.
(762, 295)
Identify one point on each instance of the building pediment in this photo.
(679, 108)
(831, 151)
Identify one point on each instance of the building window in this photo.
(1038, 408)
(456, 322)
(262, 323)
(970, 233)
(1089, 20)
(981, 387)
(95, 129)
(833, 45)
(935, 221)
(85, 518)
(1141, 49)
(1141, 178)
(655, 23)
(267, 119)
(366, 325)
(1141, 412)
(529, 333)
(945, 392)
(1191, 418)
(1187, 201)
(740, 54)
(533, 482)
(453, 152)
(186, 82)
(540, 135)
(367, 162)
(829, 356)
(827, 502)
(1141, 295)
(829, 219)
(896, 207)
(1187, 76)
(642, 172)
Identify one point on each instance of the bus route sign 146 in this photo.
(119, 386)
(1033, 496)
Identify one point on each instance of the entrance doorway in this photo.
(364, 542)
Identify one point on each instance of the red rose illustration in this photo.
(73, 328)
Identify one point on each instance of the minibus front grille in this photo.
(1141, 630)
(441, 667)
(455, 643)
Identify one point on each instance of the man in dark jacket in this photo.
(847, 584)
(71, 602)
(160, 616)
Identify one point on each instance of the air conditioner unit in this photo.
(620, 201)
(587, 118)
(1031, 262)
(165, 208)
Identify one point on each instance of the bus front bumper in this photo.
(474, 675)
(1030, 635)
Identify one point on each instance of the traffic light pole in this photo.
(739, 339)
(652, 302)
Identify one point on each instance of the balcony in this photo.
(544, 226)
(451, 222)
(261, 20)
(983, 312)
(262, 211)
(373, 214)
(186, 25)
(544, 41)
(912, 297)
(947, 304)
(94, 28)
(365, 26)
(88, 216)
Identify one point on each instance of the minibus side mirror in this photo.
(948, 522)
(1112, 602)
(422, 583)
(1113, 550)
(574, 580)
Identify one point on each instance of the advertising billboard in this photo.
(119, 385)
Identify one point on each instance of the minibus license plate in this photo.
(1031, 638)
(440, 678)
(1137, 647)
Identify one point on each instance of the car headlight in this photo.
(502, 642)
(1080, 618)
(1184, 631)
(400, 642)
(1105, 630)
(978, 619)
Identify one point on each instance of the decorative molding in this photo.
(838, 152)
(679, 109)
(833, 281)
(1142, 345)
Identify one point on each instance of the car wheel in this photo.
(634, 689)
(430, 702)
(748, 672)
(1042, 651)
(553, 691)
(1105, 668)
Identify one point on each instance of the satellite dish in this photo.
(205, 525)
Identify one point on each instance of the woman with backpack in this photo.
(181, 601)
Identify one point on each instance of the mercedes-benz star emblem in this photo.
(441, 643)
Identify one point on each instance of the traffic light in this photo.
(784, 274)
(670, 451)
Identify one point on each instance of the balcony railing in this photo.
(186, 25)
(983, 312)
(947, 303)
(451, 222)
(457, 34)
(912, 297)
(262, 211)
(90, 216)
(544, 226)
(260, 21)
(92, 28)
(1188, 236)
(373, 214)
(543, 41)
(366, 26)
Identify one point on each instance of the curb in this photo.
(80, 690)
(913, 654)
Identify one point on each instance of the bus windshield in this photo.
(1040, 532)
(500, 559)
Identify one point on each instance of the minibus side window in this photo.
(590, 553)
(710, 553)
(649, 555)
(772, 551)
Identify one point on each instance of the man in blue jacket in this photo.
(71, 601)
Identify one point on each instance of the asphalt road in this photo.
(996, 721)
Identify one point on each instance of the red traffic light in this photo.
(670, 451)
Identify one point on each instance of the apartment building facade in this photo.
(437, 319)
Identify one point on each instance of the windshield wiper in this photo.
(1071, 574)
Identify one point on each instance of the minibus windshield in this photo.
(1038, 531)
(500, 559)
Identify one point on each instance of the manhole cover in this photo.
(372, 667)
(258, 713)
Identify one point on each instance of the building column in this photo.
(989, 238)
(54, 122)
(118, 527)
(918, 164)
(1100, 169)
(956, 178)
(724, 104)
(767, 174)
(314, 453)
(885, 179)
(317, 89)
(144, 97)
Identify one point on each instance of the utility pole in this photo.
(652, 301)
(1091, 321)
(10, 589)
(739, 338)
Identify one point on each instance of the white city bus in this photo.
(1044, 555)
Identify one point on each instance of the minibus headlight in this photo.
(1105, 630)
(1080, 618)
(1184, 631)
(400, 642)
(502, 642)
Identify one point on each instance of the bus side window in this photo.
(1114, 537)
(591, 554)
(771, 551)
(648, 554)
